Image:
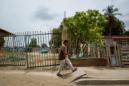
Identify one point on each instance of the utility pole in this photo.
(64, 31)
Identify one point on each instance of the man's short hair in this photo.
(65, 41)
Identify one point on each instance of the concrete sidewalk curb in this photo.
(102, 82)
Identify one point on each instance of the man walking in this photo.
(64, 60)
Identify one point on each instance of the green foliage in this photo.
(56, 37)
(15, 58)
(111, 11)
(126, 32)
(33, 42)
(57, 30)
(114, 26)
(85, 26)
(117, 28)
(44, 45)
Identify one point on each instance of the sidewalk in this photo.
(95, 76)
(104, 76)
(28, 78)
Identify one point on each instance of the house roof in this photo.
(4, 33)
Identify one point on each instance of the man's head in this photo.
(65, 42)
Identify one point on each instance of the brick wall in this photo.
(90, 62)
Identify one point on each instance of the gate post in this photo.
(27, 64)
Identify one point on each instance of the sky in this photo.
(44, 15)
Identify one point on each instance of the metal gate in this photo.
(30, 49)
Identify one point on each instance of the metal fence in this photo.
(30, 49)
(38, 49)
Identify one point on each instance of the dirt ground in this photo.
(24, 78)
(114, 76)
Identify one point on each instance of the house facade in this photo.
(4, 33)
(117, 50)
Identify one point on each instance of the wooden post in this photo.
(108, 54)
(98, 52)
(116, 53)
(119, 55)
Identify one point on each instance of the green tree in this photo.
(44, 45)
(114, 26)
(85, 27)
(126, 32)
(56, 37)
(33, 42)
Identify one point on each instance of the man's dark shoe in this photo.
(74, 70)
(60, 75)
